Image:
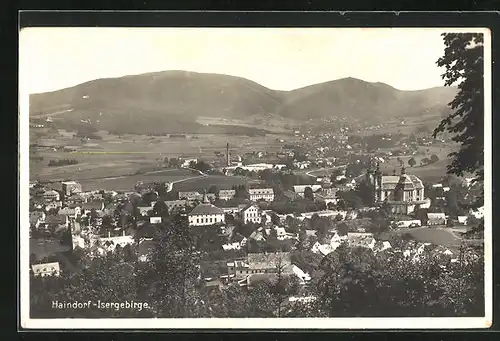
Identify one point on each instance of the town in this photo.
(298, 206)
(211, 181)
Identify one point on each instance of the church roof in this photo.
(410, 182)
(203, 209)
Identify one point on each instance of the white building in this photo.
(303, 276)
(404, 193)
(226, 194)
(110, 243)
(71, 187)
(257, 194)
(283, 235)
(155, 220)
(251, 213)
(187, 162)
(436, 219)
(46, 269)
(206, 214)
(409, 223)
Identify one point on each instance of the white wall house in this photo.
(256, 194)
(226, 194)
(46, 269)
(205, 215)
(251, 213)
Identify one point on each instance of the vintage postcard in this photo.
(255, 178)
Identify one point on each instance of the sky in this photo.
(280, 59)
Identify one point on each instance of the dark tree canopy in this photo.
(463, 59)
(308, 193)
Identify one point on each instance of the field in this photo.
(46, 247)
(270, 122)
(436, 235)
(220, 181)
(127, 183)
(430, 172)
(115, 156)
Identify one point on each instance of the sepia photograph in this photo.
(255, 178)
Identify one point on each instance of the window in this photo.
(197, 220)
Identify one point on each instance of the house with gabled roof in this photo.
(251, 214)
(261, 263)
(206, 214)
(56, 222)
(436, 219)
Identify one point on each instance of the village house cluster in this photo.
(99, 221)
(261, 227)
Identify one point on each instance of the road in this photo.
(56, 113)
(201, 174)
(170, 185)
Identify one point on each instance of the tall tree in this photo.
(464, 63)
(308, 193)
(160, 209)
(172, 275)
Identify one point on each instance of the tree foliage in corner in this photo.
(463, 60)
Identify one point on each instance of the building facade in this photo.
(404, 193)
(46, 269)
(257, 194)
(251, 214)
(227, 194)
(71, 187)
(205, 215)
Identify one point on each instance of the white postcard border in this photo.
(256, 323)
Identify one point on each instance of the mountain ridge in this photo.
(154, 100)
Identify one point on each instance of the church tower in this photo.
(205, 198)
(378, 183)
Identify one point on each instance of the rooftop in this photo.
(409, 181)
(206, 209)
(269, 260)
(261, 191)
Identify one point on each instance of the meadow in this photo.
(429, 172)
(204, 183)
(127, 155)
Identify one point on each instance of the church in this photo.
(404, 193)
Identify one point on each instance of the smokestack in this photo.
(227, 154)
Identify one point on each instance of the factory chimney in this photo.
(227, 155)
